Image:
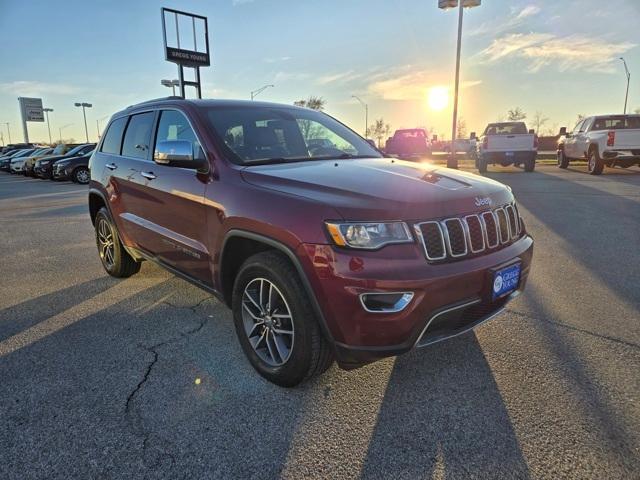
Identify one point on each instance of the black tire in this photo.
(310, 354)
(117, 263)
(482, 164)
(81, 175)
(530, 164)
(563, 160)
(595, 165)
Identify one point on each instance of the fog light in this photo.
(391, 302)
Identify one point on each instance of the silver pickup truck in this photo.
(507, 143)
(611, 140)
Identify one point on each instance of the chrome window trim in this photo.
(448, 239)
(418, 231)
(486, 228)
(506, 217)
(468, 231)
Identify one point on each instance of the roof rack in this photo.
(171, 97)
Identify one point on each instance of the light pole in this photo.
(62, 128)
(257, 92)
(84, 105)
(46, 112)
(98, 125)
(366, 115)
(626, 97)
(8, 132)
(452, 161)
(171, 83)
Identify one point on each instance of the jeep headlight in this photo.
(368, 235)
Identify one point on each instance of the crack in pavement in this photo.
(575, 329)
(133, 417)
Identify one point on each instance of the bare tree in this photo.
(637, 111)
(310, 129)
(516, 114)
(462, 128)
(539, 121)
(580, 118)
(314, 103)
(380, 130)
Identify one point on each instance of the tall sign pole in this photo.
(626, 97)
(452, 162)
(182, 52)
(31, 111)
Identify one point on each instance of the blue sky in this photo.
(558, 58)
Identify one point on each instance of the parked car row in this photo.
(62, 162)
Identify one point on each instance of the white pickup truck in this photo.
(611, 140)
(507, 143)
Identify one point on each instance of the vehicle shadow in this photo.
(586, 382)
(443, 410)
(623, 175)
(602, 228)
(23, 315)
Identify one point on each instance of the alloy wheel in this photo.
(268, 322)
(82, 176)
(106, 244)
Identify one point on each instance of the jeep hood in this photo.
(382, 188)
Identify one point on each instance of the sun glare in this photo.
(438, 98)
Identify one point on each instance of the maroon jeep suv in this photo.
(323, 249)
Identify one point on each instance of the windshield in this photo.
(59, 150)
(75, 150)
(617, 122)
(515, 128)
(275, 134)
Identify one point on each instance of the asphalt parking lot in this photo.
(144, 378)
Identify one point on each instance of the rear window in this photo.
(516, 128)
(410, 134)
(113, 137)
(138, 136)
(618, 122)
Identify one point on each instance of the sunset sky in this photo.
(558, 58)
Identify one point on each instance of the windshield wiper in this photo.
(275, 160)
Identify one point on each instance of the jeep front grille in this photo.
(454, 238)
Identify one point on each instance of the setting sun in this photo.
(438, 98)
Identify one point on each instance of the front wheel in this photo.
(277, 328)
(563, 160)
(81, 175)
(115, 259)
(595, 163)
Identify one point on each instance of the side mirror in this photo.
(532, 131)
(563, 131)
(473, 136)
(179, 153)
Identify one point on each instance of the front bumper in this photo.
(43, 171)
(455, 294)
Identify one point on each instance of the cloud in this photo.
(515, 20)
(341, 77)
(573, 52)
(410, 86)
(34, 88)
(276, 59)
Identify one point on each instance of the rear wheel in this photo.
(115, 259)
(530, 164)
(81, 175)
(482, 164)
(277, 328)
(595, 163)
(563, 160)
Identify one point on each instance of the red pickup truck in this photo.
(409, 143)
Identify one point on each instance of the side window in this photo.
(113, 137)
(174, 125)
(137, 138)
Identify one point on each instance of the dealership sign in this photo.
(187, 57)
(31, 109)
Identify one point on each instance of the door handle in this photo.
(111, 166)
(148, 175)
